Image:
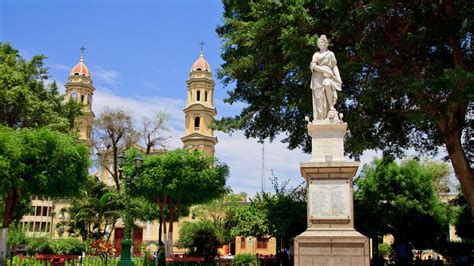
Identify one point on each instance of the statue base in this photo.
(330, 238)
(331, 248)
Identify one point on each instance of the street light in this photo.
(125, 256)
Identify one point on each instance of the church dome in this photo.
(201, 64)
(80, 69)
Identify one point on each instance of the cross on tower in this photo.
(82, 50)
(202, 44)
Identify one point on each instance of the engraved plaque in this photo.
(330, 199)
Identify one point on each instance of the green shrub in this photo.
(201, 239)
(43, 245)
(385, 249)
(38, 245)
(245, 259)
(68, 246)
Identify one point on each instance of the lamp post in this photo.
(125, 256)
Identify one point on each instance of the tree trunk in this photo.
(170, 232)
(462, 169)
(3, 246)
(162, 205)
(451, 131)
(9, 211)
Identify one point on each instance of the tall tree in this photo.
(406, 191)
(113, 132)
(152, 131)
(38, 162)
(25, 100)
(407, 72)
(178, 179)
(281, 215)
(221, 213)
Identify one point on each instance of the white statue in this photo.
(325, 82)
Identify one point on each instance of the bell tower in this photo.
(200, 108)
(80, 88)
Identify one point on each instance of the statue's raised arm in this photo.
(325, 82)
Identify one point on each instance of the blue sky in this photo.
(140, 53)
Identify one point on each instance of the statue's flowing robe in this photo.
(326, 60)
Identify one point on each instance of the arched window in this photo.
(198, 96)
(82, 98)
(205, 96)
(74, 95)
(197, 121)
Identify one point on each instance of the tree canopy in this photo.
(406, 67)
(407, 191)
(25, 99)
(178, 179)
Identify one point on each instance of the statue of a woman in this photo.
(325, 80)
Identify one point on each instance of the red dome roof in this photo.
(80, 69)
(201, 64)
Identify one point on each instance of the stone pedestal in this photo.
(330, 238)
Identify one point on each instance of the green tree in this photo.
(407, 72)
(38, 162)
(407, 191)
(25, 100)
(281, 215)
(177, 180)
(201, 239)
(220, 213)
(462, 219)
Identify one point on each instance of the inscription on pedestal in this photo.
(330, 199)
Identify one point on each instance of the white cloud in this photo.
(60, 66)
(244, 156)
(108, 76)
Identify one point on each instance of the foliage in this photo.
(463, 221)
(251, 221)
(457, 253)
(385, 250)
(67, 246)
(44, 245)
(385, 190)
(245, 259)
(39, 245)
(220, 213)
(25, 100)
(89, 215)
(115, 131)
(16, 236)
(407, 73)
(37, 162)
(201, 239)
(178, 179)
(282, 215)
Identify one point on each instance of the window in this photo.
(198, 96)
(74, 95)
(38, 211)
(197, 121)
(30, 226)
(37, 226)
(45, 211)
(205, 96)
(262, 242)
(82, 98)
(43, 227)
(242, 243)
